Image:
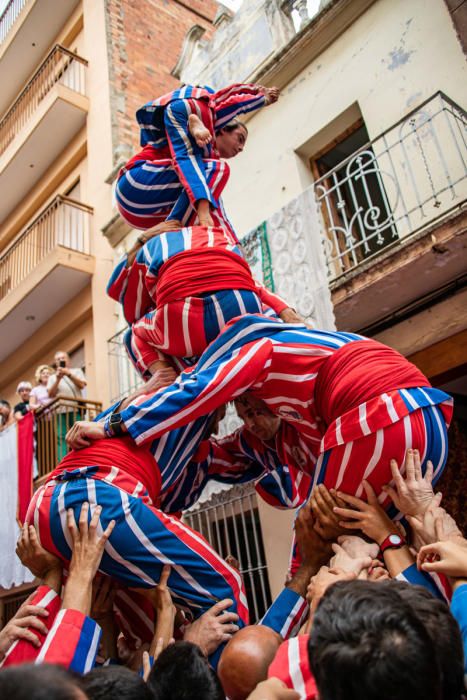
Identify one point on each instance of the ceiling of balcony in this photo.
(37, 307)
(34, 150)
(27, 43)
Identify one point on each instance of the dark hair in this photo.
(233, 126)
(115, 683)
(41, 682)
(443, 630)
(4, 402)
(366, 643)
(182, 671)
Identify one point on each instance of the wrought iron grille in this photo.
(397, 184)
(230, 522)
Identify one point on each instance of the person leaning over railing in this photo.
(68, 382)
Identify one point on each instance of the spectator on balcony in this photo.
(24, 391)
(39, 394)
(6, 415)
(67, 383)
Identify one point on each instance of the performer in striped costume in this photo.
(144, 537)
(181, 289)
(173, 176)
(356, 402)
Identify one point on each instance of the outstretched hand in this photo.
(435, 525)
(33, 556)
(449, 557)
(369, 517)
(27, 616)
(214, 627)
(414, 494)
(88, 545)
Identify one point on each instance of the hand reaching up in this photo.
(38, 560)
(369, 517)
(322, 503)
(448, 557)
(27, 616)
(354, 565)
(414, 494)
(358, 547)
(435, 525)
(216, 626)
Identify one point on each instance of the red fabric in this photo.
(23, 651)
(25, 437)
(200, 271)
(358, 372)
(291, 665)
(122, 452)
(148, 154)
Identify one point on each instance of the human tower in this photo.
(318, 407)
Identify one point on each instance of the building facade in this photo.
(356, 179)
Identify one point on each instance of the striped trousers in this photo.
(184, 328)
(152, 192)
(143, 540)
(344, 467)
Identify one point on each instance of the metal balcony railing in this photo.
(406, 179)
(53, 422)
(64, 222)
(9, 16)
(60, 67)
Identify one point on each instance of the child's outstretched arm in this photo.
(238, 99)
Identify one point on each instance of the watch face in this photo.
(395, 539)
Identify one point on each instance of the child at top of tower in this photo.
(179, 173)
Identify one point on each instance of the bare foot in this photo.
(200, 133)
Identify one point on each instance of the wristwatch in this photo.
(113, 425)
(392, 542)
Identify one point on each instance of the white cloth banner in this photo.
(12, 572)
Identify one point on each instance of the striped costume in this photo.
(171, 173)
(140, 494)
(129, 483)
(355, 402)
(72, 641)
(181, 289)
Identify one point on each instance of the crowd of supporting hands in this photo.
(339, 537)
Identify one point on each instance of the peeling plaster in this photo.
(399, 56)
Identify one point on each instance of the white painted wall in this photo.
(393, 57)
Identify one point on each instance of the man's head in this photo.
(61, 357)
(42, 682)
(245, 660)
(443, 630)
(231, 139)
(182, 671)
(24, 390)
(115, 683)
(367, 643)
(257, 417)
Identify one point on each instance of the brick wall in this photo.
(144, 41)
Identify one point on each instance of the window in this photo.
(230, 522)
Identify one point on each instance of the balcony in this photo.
(393, 217)
(52, 423)
(53, 102)
(47, 265)
(410, 177)
(27, 29)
